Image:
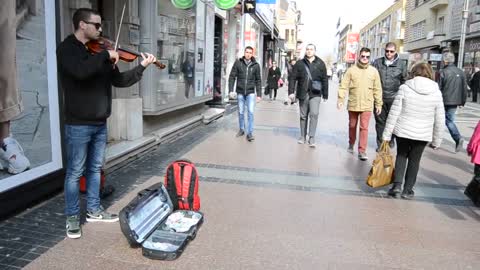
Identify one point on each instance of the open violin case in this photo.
(150, 221)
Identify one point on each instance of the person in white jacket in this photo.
(417, 117)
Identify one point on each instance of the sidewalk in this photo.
(274, 204)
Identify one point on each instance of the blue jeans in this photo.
(450, 122)
(85, 153)
(249, 100)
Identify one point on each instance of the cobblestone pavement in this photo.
(274, 204)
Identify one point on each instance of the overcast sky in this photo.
(320, 19)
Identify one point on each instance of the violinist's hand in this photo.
(147, 59)
(113, 56)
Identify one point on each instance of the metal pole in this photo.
(242, 29)
(463, 34)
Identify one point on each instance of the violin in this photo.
(127, 55)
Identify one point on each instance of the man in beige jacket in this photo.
(363, 85)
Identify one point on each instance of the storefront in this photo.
(472, 56)
(37, 128)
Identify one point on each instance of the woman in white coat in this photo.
(417, 117)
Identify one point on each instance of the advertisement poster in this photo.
(198, 84)
(352, 47)
(209, 57)
(29, 80)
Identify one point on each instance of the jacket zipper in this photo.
(246, 80)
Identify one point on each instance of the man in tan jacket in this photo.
(363, 85)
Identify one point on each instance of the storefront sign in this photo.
(435, 57)
(352, 47)
(472, 45)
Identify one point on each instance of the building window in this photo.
(287, 35)
(418, 30)
(441, 25)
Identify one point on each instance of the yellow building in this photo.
(386, 27)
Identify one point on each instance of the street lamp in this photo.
(463, 34)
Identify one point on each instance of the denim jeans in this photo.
(249, 101)
(450, 122)
(85, 146)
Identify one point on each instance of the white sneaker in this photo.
(13, 158)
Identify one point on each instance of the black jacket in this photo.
(475, 82)
(248, 77)
(87, 79)
(453, 85)
(273, 76)
(300, 81)
(392, 76)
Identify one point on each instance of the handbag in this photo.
(280, 83)
(266, 91)
(316, 85)
(381, 173)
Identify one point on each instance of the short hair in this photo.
(422, 69)
(391, 44)
(82, 14)
(310, 44)
(448, 57)
(249, 48)
(364, 49)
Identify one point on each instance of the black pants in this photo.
(474, 94)
(274, 91)
(381, 121)
(408, 151)
(476, 172)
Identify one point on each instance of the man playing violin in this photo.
(86, 80)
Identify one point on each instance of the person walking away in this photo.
(309, 84)
(475, 84)
(86, 80)
(274, 75)
(246, 72)
(454, 90)
(289, 78)
(362, 84)
(416, 118)
(393, 73)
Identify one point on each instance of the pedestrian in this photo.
(393, 73)
(473, 150)
(274, 75)
(289, 78)
(187, 69)
(12, 156)
(416, 118)
(86, 80)
(454, 90)
(309, 84)
(362, 84)
(475, 84)
(246, 71)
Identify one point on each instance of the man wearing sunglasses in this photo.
(363, 85)
(86, 80)
(393, 73)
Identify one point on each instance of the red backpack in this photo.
(181, 181)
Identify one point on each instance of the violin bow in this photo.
(120, 26)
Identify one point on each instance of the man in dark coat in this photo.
(454, 90)
(475, 84)
(393, 73)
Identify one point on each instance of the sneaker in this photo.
(12, 157)
(250, 137)
(362, 156)
(101, 216)
(301, 140)
(240, 133)
(394, 191)
(459, 145)
(350, 148)
(408, 194)
(74, 230)
(311, 142)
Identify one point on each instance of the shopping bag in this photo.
(280, 83)
(381, 173)
(266, 92)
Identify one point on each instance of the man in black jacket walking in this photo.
(453, 85)
(86, 80)
(309, 77)
(246, 71)
(393, 73)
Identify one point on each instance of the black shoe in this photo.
(394, 191)
(250, 137)
(408, 194)
(459, 145)
(240, 133)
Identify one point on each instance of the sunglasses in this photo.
(365, 56)
(97, 25)
(389, 51)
